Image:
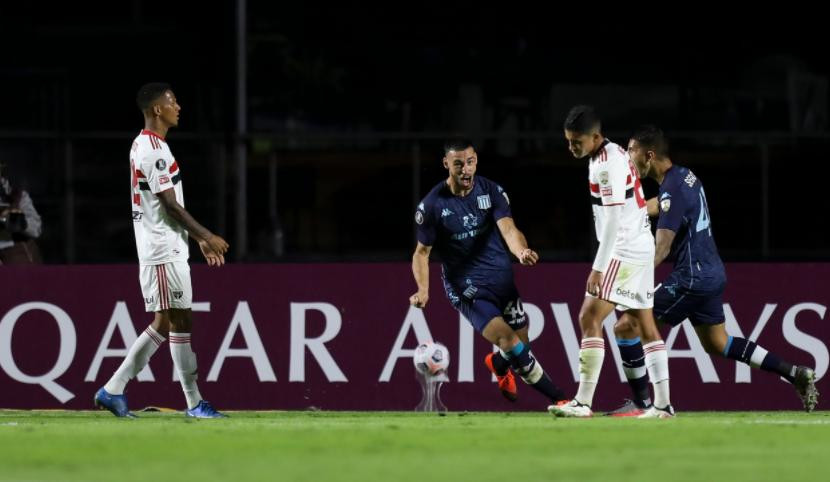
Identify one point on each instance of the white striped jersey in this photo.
(613, 180)
(159, 238)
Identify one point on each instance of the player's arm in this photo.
(672, 209)
(612, 193)
(652, 207)
(613, 213)
(420, 270)
(665, 238)
(212, 246)
(516, 241)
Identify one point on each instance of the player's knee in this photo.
(507, 341)
(625, 329)
(589, 319)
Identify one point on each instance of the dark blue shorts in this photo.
(480, 304)
(674, 302)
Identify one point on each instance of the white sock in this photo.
(143, 348)
(657, 364)
(591, 354)
(185, 361)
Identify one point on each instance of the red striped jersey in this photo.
(613, 181)
(159, 238)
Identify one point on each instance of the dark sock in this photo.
(524, 363)
(634, 366)
(749, 352)
(500, 363)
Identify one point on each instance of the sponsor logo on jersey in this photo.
(665, 205)
(470, 291)
(606, 191)
(164, 179)
(603, 177)
(446, 212)
(161, 164)
(470, 221)
(484, 201)
(419, 217)
(690, 179)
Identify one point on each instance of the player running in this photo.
(695, 287)
(467, 220)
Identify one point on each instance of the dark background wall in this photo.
(346, 109)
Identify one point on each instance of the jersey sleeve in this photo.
(156, 170)
(671, 208)
(425, 226)
(501, 203)
(611, 177)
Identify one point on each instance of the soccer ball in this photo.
(431, 358)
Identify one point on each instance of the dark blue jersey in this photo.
(684, 210)
(463, 232)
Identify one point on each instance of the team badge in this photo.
(665, 205)
(419, 217)
(484, 201)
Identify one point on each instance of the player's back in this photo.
(159, 239)
(613, 181)
(684, 210)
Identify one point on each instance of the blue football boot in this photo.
(117, 404)
(204, 410)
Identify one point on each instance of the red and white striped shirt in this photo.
(613, 181)
(158, 238)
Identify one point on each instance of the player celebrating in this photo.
(161, 228)
(694, 289)
(465, 218)
(623, 272)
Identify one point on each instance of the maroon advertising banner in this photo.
(341, 337)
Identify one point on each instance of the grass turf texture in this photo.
(395, 446)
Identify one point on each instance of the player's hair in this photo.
(456, 144)
(652, 138)
(582, 119)
(148, 93)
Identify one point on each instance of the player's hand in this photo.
(528, 257)
(419, 299)
(217, 244)
(594, 282)
(213, 258)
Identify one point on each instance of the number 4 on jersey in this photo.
(703, 220)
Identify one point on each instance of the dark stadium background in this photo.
(346, 109)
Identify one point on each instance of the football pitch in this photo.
(398, 446)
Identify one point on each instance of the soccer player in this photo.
(162, 226)
(694, 289)
(467, 219)
(622, 275)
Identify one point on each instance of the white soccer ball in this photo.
(431, 358)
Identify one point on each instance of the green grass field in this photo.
(395, 446)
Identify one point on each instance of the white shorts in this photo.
(628, 285)
(166, 286)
